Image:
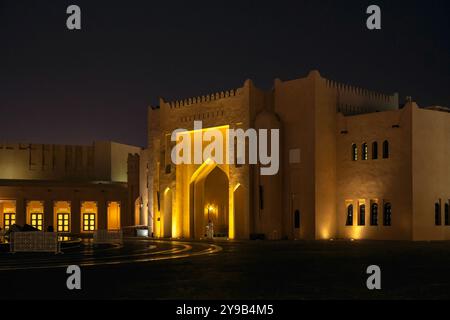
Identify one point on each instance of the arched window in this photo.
(447, 212)
(385, 149)
(349, 215)
(387, 214)
(437, 214)
(365, 151)
(297, 219)
(375, 150)
(362, 215)
(374, 214)
(354, 152)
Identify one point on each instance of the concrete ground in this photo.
(242, 270)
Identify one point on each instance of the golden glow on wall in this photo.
(89, 212)
(357, 231)
(7, 213)
(62, 216)
(137, 211)
(211, 212)
(168, 224)
(195, 195)
(113, 215)
(35, 214)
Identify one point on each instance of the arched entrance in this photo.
(209, 201)
(113, 212)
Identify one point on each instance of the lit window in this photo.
(374, 214)
(37, 220)
(387, 215)
(89, 222)
(9, 220)
(375, 150)
(349, 221)
(385, 150)
(362, 215)
(63, 223)
(365, 152)
(354, 152)
(437, 214)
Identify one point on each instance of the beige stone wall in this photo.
(46, 162)
(319, 121)
(119, 158)
(235, 108)
(431, 172)
(294, 104)
(381, 180)
(102, 161)
(49, 193)
(50, 173)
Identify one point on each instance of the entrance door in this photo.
(216, 203)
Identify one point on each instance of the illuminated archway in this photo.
(209, 201)
(89, 216)
(7, 213)
(113, 215)
(62, 216)
(35, 214)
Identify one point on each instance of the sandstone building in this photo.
(74, 189)
(353, 165)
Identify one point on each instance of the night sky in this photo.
(61, 86)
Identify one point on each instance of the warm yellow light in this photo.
(203, 130)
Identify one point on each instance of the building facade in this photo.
(353, 164)
(72, 189)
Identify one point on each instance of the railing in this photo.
(34, 242)
(108, 237)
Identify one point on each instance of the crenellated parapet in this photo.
(204, 98)
(355, 100)
(349, 90)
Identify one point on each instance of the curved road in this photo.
(132, 251)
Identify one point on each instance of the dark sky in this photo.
(61, 86)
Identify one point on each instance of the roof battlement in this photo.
(345, 89)
(204, 98)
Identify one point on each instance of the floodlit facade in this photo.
(70, 189)
(353, 165)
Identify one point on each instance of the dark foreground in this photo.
(255, 270)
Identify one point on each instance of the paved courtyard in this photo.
(233, 270)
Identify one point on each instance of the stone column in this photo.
(21, 212)
(102, 215)
(75, 215)
(48, 214)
